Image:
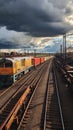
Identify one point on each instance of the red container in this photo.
(42, 59)
(35, 61)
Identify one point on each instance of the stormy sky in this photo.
(27, 23)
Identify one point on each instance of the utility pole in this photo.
(60, 49)
(64, 46)
(34, 52)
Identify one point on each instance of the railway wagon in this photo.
(46, 58)
(11, 69)
(42, 59)
(35, 61)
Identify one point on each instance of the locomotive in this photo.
(11, 69)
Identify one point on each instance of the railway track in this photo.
(53, 117)
(24, 123)
(15, 103)
(25, 80)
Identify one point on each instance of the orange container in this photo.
(35, 61)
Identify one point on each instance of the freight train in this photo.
(11, 69)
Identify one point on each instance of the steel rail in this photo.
(27, 106)
(59, 102)
(46, 101)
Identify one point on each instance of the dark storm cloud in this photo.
(8, 45)
(36, 17)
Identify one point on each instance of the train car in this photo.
(42, 59)
(11, 69)
(35, 61)
(47, 58)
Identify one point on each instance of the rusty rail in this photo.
(17, 107)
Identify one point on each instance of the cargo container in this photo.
(46, 58)
(35, 61)
(41, 59)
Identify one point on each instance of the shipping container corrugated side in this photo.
(35, 61)
(42, 59)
